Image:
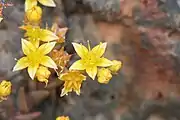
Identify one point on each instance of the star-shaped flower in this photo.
(36, 34)
(73, 81)
(30, 3)
(35, 57)
(90, 59)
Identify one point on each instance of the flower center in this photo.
(90, 60)
(33, 34)
(34, 58)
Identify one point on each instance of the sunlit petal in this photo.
(48, 62)
(104, 62)
(46, 47)
(63, 92)
(29, 4)
(49, 3)
(35, 43)
(1, 19)
(81, 50)
(27, 46)
(92, 72)
(78, 65)
(47, 35)
(99, 49)
(21, 64)
(32, 70)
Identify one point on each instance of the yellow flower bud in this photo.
(34, 14)
(5, 89)
(104, 75)
(116, 66)
(43, 74)
(62, 118)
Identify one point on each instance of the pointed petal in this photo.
(27, 46)
(1, 19)
(81, 50)
(104, 62)
(32, 70)
(47, 35)
(63, 92)
(92, 72)
(78, 65)
(46, 47)
(25, 27)
(29, 4)
(48, 62)
(35, 43)
(99, 49)
(49, 3)
(21, 64)
(63, 76)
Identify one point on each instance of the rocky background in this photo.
(143, 34)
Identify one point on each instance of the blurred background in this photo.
(143, 34)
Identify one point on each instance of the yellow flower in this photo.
(62, 118)
(116, 66)
(43, 74)
(5, 89)
(30, 3)
(35, 34)
(33, 15)
(104, 75)
(35, 57)
(73, 81)
(90, 59)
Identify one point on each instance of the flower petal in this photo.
(32, 70)
(25, 27)
(99, 49)
(49, 3)
(78, 65)
(36, 43)
(63, 92)
(92, 72)
(63, 76)
(21, 64)
(27, 46)
(46, 47)
(47, 35)
(104, 62)
(81, 50)
(48, 62)
(29, 4)
(1, 19)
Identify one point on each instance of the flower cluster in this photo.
(37, 43)
(93, 63)
(39, 46)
